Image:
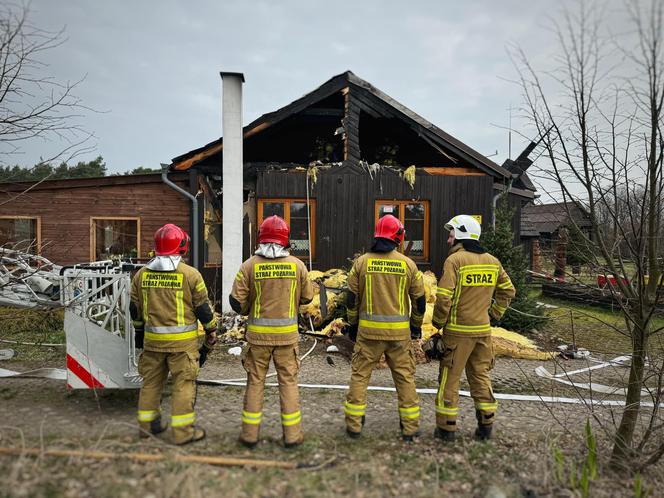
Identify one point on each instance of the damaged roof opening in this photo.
(391, 142)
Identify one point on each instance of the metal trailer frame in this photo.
(97, 323)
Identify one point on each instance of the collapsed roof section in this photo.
(346, 119)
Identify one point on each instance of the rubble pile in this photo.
(329, 319)
(232, 327)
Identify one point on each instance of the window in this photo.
(415, 217)
(114, 238)
(294, 211)
(21, 232)
(212, 231)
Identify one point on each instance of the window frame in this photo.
(287, 201)
(207, 195)
(93, 238)
(402, 217)
(27, 217)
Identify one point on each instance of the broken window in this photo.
(21, 233)
(294, 211)
(415, 217)
(114, 238)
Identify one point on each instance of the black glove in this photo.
(433, 348)
(206, 347)
(415, 333)
(203, 352)
(352, 332)
(139, 336)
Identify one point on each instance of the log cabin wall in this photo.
(345, 207)
(65, 208)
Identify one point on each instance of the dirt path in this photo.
(518, 462)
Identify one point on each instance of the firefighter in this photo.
(386, 304)
(474, 287)
(269, 287)
(168, 299)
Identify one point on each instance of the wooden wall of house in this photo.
(65, 208)
(345, 203)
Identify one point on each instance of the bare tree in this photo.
(600, 112)
(34, 105)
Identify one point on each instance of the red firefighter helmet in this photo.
(274, 229)
(389, 227)
(171, 240)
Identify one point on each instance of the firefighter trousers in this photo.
(256, 363)
(475, 356)
(401, 360)
(154, 367)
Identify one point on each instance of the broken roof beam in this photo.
(351, 124)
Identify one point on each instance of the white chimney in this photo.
(232, 181)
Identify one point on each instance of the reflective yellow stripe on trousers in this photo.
(354, 410)
(440, 399)
(182, 420)
(289, 419)
(252, 418)
(148, 415)
(410, 412)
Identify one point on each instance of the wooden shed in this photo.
(335, 160)
(90, 219)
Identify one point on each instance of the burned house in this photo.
(331, 163)
(336, 160)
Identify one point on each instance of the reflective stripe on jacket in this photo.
(270, 292)
(473, 288)
(166, 301)
(385, 284)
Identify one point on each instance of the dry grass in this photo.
(375, 466)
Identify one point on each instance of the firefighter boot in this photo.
(408, 438)
(483, 431)
(197, 435)
(445, 436)
(355, 435)
(155, 427)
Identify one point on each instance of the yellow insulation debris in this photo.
(313, 308)
(430, 286)
(315, 275)
(334, 327)
(505, 342)
(409, 176)
(335, 279)
(513, 345)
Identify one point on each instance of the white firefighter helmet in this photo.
(465, 227)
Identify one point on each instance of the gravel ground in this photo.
(518, 462)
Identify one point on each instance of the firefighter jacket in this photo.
(270, 292)
(167, 305)
(385, 285)
(473, 286)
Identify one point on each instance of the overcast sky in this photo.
(153, 66)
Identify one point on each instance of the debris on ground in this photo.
(330, 320)
(232, 327)
(335, 327)
(235, 351)
(514, 345)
